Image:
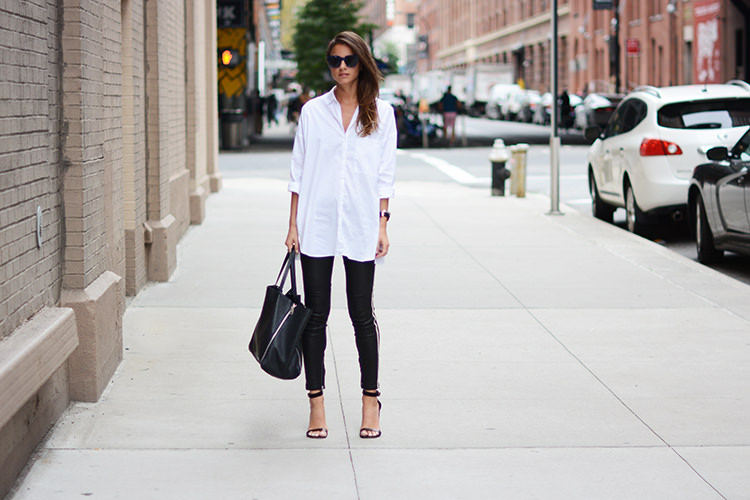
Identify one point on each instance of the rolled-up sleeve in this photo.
(298, 155)
(387, 167)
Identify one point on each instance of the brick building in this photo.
(658, 40)
(465, 33)
(107, 154)
(396, 29)
(659, 43)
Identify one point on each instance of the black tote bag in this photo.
(276, 339)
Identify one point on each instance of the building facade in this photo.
(460, 34)
(396, 30)
(660, 43)
(108, 151)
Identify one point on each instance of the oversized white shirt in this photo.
(340, 178)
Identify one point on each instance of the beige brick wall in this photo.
(29, 162)
(93, 145)
(134, 144)
(103, 147)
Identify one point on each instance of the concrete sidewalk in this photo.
(523, 356)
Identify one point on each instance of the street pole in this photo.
(618, 85)
(554, 141)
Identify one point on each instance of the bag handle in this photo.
(288, 267)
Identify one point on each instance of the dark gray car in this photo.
(719, 201)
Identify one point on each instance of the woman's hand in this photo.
(383, 243)
(292, 239)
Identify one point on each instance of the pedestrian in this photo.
(271, 109)
(565, 110)
(449, 105)
(342, 177)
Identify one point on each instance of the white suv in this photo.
(644, 158)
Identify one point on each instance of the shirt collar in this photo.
(330, 98)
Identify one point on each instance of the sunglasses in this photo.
(335, 61)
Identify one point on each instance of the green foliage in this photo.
(318, 22)
(391, 57)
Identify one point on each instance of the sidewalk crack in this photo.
(343, 415)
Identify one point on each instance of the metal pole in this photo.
(464, 140)
(618, 84)
(554, 141)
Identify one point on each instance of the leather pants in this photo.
(360, 276)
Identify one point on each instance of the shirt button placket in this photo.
(342, 194)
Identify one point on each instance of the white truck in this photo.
(480, 79)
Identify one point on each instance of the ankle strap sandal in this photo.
(320, 432)
(365, 432)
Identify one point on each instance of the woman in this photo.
(342, 176)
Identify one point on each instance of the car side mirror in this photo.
(592, 133)
(718, 153)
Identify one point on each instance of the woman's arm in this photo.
(383, 244)
(292, 238)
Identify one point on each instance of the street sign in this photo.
(604, 4)
(633, 47)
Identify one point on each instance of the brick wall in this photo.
(100, 146)
(134, 144)
(29, 161)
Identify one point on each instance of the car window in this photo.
(613, 125)
(634, 111)
(626, 117)
(742, 148)
(715, 113)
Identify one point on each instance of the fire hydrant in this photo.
(499, 157)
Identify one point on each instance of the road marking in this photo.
(580, 201)
(456, 173)
(461, 176)
(571, 177)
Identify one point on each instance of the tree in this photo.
(318, 22)
(391, 57)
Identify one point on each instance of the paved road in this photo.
(470, 166)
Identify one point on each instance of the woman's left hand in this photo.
(383, 244)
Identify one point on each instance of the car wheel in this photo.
(599, 208)
(635, 218)
(704, 238)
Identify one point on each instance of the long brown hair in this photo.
(368, 82)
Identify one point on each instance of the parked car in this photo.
(499, 93)
(533, 98)
(719, 201)
(511, 106)
(644, 159)
(543, 110)
(596, 109)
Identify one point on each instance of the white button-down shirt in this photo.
(340, 178)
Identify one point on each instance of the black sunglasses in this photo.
(335, 61)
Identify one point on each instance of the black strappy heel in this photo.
(320, 432)
(364, 432)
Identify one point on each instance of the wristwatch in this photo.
(385, 214)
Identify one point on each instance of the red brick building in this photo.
(661, 42)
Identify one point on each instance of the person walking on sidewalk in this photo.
(342, 177)
(449, 107)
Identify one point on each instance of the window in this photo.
(626, 117)
(718, 113)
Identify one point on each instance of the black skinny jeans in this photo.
(316, 273)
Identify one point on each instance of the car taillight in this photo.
(657, 147)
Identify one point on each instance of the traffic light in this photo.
(229, 57)
(423, 47)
